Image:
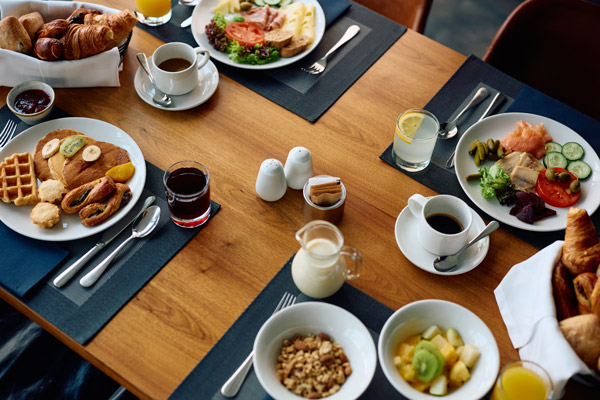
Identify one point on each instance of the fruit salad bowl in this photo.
(416, 320)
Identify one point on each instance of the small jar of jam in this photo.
(31, 101)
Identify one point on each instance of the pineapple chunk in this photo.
(454, 338)
(397, 361)
(431, 332)
(459, 350)
(420, 386)
(407, 372)
(449, 354)
(439, 386)
(413, 340)
(470, 355)
(406, 351)
(439, 341)
(459, 374)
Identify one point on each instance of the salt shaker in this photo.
(270, 183)
(298, 167)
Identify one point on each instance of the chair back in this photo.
(410, 13)
(554, 47)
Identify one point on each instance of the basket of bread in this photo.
(65, 44)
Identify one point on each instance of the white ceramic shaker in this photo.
(270, 183)
(298, 167)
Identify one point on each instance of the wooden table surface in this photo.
(152, 344)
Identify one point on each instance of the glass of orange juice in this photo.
(523, 380)
(153, 12)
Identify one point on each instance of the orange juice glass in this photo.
(153, 12)
(523, 380)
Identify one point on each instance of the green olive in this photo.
(72, 145)
(574, 186)
(551, 174)
(564, 177)
(245, 5)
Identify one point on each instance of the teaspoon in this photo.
(160, 98)
(143, 225)
(448, 263)
(449, 129)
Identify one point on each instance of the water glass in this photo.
(416, 134)
(187, 185)
(153, 12)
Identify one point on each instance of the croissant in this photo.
(53, 29)
(581, 249)
(121, 24)
(95, 213)
(86, 194)
(82, 41)
(48, 49)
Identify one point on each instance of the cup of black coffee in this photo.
(175, 67)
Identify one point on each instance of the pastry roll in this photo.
(564, 295)
(53, 29)
(86, 194)
(584, 285)
(96, 213)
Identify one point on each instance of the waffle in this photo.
(18, 181)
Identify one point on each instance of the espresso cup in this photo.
(175, 66)
(444, 222)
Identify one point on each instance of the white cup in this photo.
(448, 210)
(178, 82)
(298, 167)
(270, 182)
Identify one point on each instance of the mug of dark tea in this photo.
(187, 185)
(175, 66)
(444, 222)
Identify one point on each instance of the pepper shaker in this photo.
(298, 167)
(270, 183)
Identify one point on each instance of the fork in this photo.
(8, 132)
(320, 64)
(233, 384)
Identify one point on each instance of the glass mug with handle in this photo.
(323, 263)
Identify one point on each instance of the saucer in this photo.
(406, 228)
(208, 82)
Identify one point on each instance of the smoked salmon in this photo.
(527, 138)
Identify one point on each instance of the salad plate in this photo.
(203, 14)
(405, 228)
(207, 84)
(498, 127)
(70, 227)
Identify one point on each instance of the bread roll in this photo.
(584, 285)
(583, 334)
(32, 23)
(48, 49)
(13, 36)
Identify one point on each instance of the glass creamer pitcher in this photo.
(323, 262)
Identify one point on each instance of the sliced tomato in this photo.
(245, 33)
(556, 193)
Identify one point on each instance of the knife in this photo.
(106, 238)
(186, 22)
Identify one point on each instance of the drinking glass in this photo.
(523, 380)
(153, 12)
(416, 134)
(187, 184)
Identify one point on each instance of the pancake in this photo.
(77, 172)
(42, 170)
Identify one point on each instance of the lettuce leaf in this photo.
(492, 180)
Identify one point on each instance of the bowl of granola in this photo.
(314, 350)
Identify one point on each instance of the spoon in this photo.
(448, 263)
(449, 129)
(143, 225)
(160, 98)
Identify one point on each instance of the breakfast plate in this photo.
(405, 228)
(498, 127)
(203, 14)
(207, 85)
(70, 227)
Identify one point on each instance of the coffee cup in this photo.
(444, 222)
(175, 66)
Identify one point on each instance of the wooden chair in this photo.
(553, 46)
(410, 13)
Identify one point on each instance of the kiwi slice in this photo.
(433, 349)
(426, 365)
(71, 145)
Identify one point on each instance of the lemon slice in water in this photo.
(409, 124)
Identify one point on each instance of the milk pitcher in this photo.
(323, 262)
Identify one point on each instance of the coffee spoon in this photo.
(448, 263)
(160, 98)
(449, 129)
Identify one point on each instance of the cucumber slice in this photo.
(553, 146)
(286, 2)
(580, 169)
(259, 3)
(272, 2)
(555, 159)
(572, 151)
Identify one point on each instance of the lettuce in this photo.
(493, 180)
(257, 55)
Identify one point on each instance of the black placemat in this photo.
(82, 312)
(444, 105)
(224, 358)
(309, 96)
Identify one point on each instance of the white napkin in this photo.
(525, 300)
(99, 70)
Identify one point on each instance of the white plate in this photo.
(209, 80)
(406, 226)
(203, 14)
(498, 127)
(70, 227)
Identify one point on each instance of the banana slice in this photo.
(91, 153)
(50, 148)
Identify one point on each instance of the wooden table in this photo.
(152, 344)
